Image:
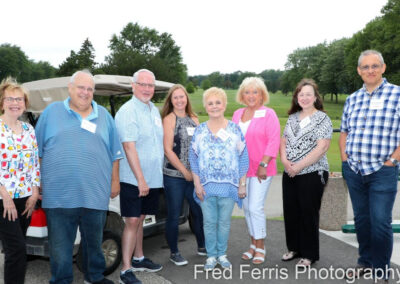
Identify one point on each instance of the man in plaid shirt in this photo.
(369, 147)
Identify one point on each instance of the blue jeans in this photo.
(62, 224)
(217, 212)
(372, 197)
(176, 189)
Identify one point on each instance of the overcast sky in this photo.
(214, 35)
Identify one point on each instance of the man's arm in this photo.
(134, 163)
(115, 186)
(395, 155)
(342, 146)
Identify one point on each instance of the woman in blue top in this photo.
(219, 162)
(179, 122)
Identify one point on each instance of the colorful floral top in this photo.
(219, 162)
(20, 168)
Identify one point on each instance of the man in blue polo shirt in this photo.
(80, 152)
(369, 146)
(140, 129)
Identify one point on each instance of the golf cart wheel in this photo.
(112, 252)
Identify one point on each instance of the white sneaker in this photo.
(224, 262)
(211, 262)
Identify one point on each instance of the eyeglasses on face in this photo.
(83, 88)
(144, 85)
(373, 67)
(11, 99)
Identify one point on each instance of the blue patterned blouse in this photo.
(219, 163)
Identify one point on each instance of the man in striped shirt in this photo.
(80, 151)
(369, 146)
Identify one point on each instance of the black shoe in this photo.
(178, 259)
(145, 265)
(201, 251)
(129, 278)
(102, 281)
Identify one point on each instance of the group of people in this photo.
(212, 165)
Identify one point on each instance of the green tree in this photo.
(83, 59)
(42, 70)
(14, 62)
(139, 47)
(206, 84)
(272, 79)
(190, 88)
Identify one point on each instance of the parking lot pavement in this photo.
(335, 256)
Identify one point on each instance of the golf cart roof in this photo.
(44, 92)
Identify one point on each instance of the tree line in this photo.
(332, 65)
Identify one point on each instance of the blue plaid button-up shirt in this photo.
(372, 123)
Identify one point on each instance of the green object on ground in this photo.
(350, 229)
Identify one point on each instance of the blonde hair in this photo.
(10, 84)
(217, 92)
(256, 83)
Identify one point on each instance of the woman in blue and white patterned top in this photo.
(219, 163)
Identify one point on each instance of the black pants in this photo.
(12, 234)
(301, 204)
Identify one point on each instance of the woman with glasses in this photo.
(19, 179)
(303, 148)
(179, 122)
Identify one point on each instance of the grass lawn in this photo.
(280, 103)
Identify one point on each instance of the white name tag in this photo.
(223, 134)
(376, 104)
(304, 122)
(89, 126)
(190, 131)
(260, 113)
(157, 121)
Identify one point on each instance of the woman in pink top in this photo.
(261, 129)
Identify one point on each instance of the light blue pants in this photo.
(217, 212)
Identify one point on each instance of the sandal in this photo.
(357, 272)
(248, 255)
(305, 262)
(259, 259)
(289, 256)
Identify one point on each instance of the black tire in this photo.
(112, 252)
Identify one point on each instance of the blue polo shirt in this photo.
(76, 163)
(141, 123)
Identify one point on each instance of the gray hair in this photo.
(84, 71)
(370, 52)
(136, 74)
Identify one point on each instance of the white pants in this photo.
(253, 206)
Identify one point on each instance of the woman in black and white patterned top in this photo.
(303, 148)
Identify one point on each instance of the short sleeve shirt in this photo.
(141, 123)
(302, 138)
(76, 163)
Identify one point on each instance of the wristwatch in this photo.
(264, 165)
(394, 161)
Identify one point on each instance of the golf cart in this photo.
(44, 92)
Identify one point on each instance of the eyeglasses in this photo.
(83, 88)
(11, 99)
(373, 67)
(144, 85)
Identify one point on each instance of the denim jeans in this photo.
(372, 197)
(62, 224)
(217, 212)
(176, 189)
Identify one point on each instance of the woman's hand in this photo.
(187, 175)
(261, 173)
(30, 204)
(200, 192)
(10, 210)
(242, 191)
(293, 169)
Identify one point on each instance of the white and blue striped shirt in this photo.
(372, 124)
